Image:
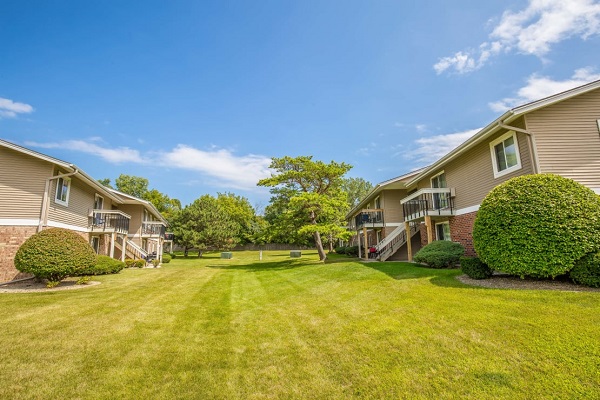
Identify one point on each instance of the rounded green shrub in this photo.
(474, 268)
(340, 250)
(537, 225)
(587, 270)
(54, 254)
(104, 265)
(440, 254)
(166, 259)
(139, 263)
(352, 251)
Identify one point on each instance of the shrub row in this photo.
(474, 268)
(351, 251)
(131, 263)
(104, 265)
(440, 254)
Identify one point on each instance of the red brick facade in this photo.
(461, 231)
(11, 238)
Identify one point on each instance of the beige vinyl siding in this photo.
(81, 203)
(472, 174)
(392, 209)
(136, 212)
(567, 138)
(22, 184)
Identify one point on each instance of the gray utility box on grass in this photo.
(226, 254)
(295, 253)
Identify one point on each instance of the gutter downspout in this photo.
(45, 199)
(530, 142)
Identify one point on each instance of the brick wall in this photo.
(11, 238)
(461, 231)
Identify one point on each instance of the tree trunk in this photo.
(185, 251)
(199, 253)
(319, 244)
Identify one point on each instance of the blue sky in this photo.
(197, 96)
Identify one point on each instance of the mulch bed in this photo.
(504, 281)
(30, 285)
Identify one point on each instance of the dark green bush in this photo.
(54, 254)
(340, 250)
(587, 270)
(537, 225)
(474, 268)
(352, 251)
(173, 255)
(440, 254)
(129, 262)
(166, 258)
(104, 265)
(140, 263)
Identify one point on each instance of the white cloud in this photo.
(220, 166)
(429, 149)
(10, 109)
(227, 169)
(116, 156)
(533, 30)
(538, 87)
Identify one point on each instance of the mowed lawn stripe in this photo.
(281, 328)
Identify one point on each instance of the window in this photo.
(440, 200)
(505, 154)
(98, 202)
(62, 191)
(442, 231)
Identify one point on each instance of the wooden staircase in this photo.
(392, 242)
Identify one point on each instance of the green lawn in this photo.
(282, 328)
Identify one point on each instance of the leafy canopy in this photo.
(310, 192)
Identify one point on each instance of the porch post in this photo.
(123, 250)
(358, 241)
(365, 241)
(408, 242)
(429, 229)
(112, 245)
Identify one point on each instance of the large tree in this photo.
(241, 213)
(356, 189)
(204, 225)
(133, 185)
(312, 190)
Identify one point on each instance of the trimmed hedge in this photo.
(440, 254)
(340, 250)
(474, 268)
(131, 263)
(166, 259)
(537, 225)
(104, 265)
(54, 254)
(587, 270)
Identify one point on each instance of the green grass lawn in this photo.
(295, 328)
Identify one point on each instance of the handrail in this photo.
(389, 237)
(398, 241)
(98, 210)
(424, 191)
(137, 249)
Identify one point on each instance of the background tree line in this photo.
(308, 206)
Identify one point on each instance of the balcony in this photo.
(369, 218)
(430, 201)
(109, 221)
(153, 229)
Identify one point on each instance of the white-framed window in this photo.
(505, 154)
(440, 200)
(442, 231)
(98, 202)
(63, 186)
